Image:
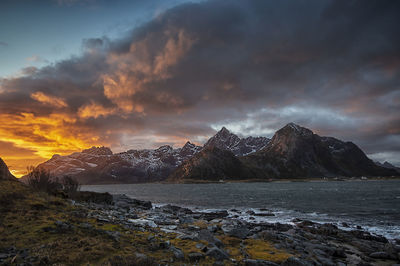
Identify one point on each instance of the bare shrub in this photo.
(70, 186)
(40, 179)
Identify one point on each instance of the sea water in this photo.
(373, 205)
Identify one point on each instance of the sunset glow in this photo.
(139, 75)
(43, 136)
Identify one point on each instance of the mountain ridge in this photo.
(98, 165)
(293, 152)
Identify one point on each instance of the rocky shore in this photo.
(104, 229)
(228, 240)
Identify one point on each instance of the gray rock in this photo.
(140, 256)
(124, 201)
(200, 245)
(325, 261)
(214, 215)
(193, 227)
(250, 262)
(86, 226)
(380, 255)
(188, 237)
(263, 214)
(340, 253)
(293, 261)
(115, 235)
(164, 245)
(212, 228)
(63, 227)
(217, 254)
(178, 254)
(195, 256)
(209, 237)
(236, 231)
(185, 219)
(4, 256)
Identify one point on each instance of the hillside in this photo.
(293, 152)
(4, 172)
(99, 165)
(212, 164)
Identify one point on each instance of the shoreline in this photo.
(103, 229)
(303, 241)
(281, 180)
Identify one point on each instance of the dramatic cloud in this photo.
(46, 99)
(253, 66)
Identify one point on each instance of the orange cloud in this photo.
(133, 71)
(95, 110)
(45, 136)
(50, 100)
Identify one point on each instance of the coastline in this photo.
(234, 241)
(105, 229)
(280, 180)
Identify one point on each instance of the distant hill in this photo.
(99, 165)
(293, 152)
(388, 165)
(4, 172)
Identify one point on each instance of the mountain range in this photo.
(99, 165)
(293, 152)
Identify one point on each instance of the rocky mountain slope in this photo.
(4, 172)
(212, 164)
(226, 140)
(388, 165)
(293, 152)
(99, 165)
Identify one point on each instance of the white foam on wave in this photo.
(284, 216)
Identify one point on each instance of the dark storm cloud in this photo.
(329, 65)
(4, 44)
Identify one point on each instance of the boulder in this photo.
(178, 254)
(236, 231)
(380, 255)
(217, 254)
(251, 262)
(293, 261)
(195, 256)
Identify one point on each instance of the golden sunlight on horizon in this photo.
(27, 139)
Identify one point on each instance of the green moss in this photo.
(25, 222)
(260, 249)
(201, 223)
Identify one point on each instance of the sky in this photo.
(140, 74)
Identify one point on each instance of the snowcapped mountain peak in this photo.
(188, 144)
(99, 164)
(226, 140)
(189, 149)
(164, 148)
